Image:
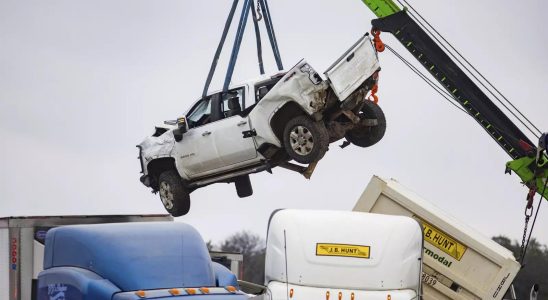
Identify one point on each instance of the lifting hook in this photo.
(379, 45)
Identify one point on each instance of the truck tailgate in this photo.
(353, 68)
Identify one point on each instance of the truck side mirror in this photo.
(261, 92)
(180, 130)
(181, 124)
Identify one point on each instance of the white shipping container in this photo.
(22, 248)
(459, 262)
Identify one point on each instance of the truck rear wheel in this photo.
(365, 136)
(243, 186)
(305, 140)
(175, 197)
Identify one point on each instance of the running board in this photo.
(223, 177)
(305, 171)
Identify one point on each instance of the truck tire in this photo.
(305, 140)
(243, 186)
(175, 197)
(365, 136)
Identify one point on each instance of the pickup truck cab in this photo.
(264, 123)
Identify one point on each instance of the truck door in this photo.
(228, 136)
(196, 152)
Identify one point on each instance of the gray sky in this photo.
(83, 82)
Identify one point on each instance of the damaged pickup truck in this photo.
(262, 124)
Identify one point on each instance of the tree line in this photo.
(534, 268)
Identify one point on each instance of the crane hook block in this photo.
(379, 45)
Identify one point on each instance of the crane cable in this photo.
(471, 66)
(429, 81)
(434, 85)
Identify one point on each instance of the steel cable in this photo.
(470, 72)
(431, 83)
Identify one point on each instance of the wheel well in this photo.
(289, 111)
(157, 166)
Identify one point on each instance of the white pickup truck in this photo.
(261, 124)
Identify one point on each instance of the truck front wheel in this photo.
(305, 140)
(365, 136)
(175, 197)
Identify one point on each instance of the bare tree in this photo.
(252, 246)
(210, 246)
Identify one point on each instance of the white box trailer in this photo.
(315, 254)
(459, 262)
(22, 248)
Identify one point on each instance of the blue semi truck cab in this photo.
(125, 261)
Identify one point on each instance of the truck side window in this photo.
(233, 103)
(264, 87)
(201, 114)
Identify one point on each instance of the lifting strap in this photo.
(271, 34)
(247, 6)
(219, 48)
(258, 35)
(237, 44)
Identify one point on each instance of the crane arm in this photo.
(526, 163)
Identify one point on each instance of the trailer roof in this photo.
(32, 221)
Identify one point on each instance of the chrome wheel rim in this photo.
(301, 140)
(166, 195)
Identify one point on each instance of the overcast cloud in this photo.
(83, 82)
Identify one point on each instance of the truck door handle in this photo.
(242, 123)
(206, 133)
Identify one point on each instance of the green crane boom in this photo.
(382, 8)
(528, 163)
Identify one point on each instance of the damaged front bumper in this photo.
(154, 147)
(145, 179)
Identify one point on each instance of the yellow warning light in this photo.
(291, 293)
(141, 294)
(204, 290)
(230, 289)
(174, 292)
(191, 291)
